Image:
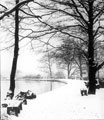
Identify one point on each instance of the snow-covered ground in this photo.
(64, 103)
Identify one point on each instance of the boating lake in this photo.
(36, 86)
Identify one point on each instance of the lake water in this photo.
(37, 86)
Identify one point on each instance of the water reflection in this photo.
(37, 86)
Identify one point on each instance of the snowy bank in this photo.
(64, 103)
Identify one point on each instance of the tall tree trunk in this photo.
(49, 63)
(68, 71)
(80, 65)
(16, 49)
(81, 71)
(91, 63)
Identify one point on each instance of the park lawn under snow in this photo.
(64, 103)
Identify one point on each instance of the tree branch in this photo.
(14, 8)
(36, 16)
(3, 10)
(100, 66)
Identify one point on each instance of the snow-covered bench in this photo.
(14, 107)
(21, 98)
(5, 103)
(83, 88)
(84, 92)
(26, 95)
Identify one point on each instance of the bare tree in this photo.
(16, 44)
(82, 20)
(16, 49)
(47, 62)
(64, 55)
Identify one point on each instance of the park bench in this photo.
(83, 92)
(25, 95)
(14, 107)
(83, 88)
(5, 103)
(30, 95)
(21, 98)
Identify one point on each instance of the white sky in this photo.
(27, 61)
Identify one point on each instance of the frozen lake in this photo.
(36, 86)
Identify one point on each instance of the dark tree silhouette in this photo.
(16, 50)
(16, 43)
(79, 19)
(64, 55)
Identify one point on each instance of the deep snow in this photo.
(64, 103)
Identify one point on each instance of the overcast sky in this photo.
(27, 60)
(27, 63)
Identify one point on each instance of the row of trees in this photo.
(75, 24)
(82, 23)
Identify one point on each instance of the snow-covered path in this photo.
(64, 103)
